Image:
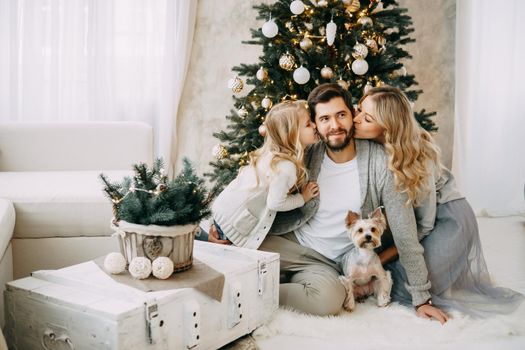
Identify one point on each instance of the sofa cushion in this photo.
(7, 222)
(59, 203)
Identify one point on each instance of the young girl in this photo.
(447, 225)
(275, 180)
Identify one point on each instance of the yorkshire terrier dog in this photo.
(361, 264)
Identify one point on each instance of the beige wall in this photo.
(222, 25)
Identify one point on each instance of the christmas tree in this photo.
(358, 44)
(149, 198)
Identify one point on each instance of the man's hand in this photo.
(309, 191)
(213, 236)
(429, 311)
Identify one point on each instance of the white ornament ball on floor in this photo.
(115, 263)
(162, 267)
(140, 267)
(297, 7)
(359, 67)
(301, 75)
(270, 29)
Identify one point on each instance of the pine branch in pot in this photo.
(157, 217)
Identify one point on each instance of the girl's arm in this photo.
(280, 183)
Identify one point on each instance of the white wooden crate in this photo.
(80, 307)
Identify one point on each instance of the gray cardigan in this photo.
(377, 188)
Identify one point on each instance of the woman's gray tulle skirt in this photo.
(456, 266)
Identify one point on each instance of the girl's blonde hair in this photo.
(411, 150)
(282, 138)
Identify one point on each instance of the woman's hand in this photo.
(309, 191)
(430, 311)
(213, 236)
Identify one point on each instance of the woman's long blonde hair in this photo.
(282, 138)
(411, 149)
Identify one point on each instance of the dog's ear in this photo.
(378, 217)
(351, 217)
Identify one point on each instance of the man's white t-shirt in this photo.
(339, 192)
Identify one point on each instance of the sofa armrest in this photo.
(7, 224)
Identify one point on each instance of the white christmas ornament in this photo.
(359, 66)
(262, 74)
(242, 112)
(331, 28)
(266, 103)
(115, 263)
(297, 7)
(162, 267)
(140, 267)
(360, 51)
(269, 29)
(301, 75)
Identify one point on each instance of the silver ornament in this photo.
(266, 103)
(262, 74)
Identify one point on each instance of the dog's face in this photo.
(366, 233)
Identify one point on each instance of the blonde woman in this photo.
(275, 180)
(446, 223)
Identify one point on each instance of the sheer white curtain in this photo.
(96, 60)
(489, 137)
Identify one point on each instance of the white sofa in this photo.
(51, 192)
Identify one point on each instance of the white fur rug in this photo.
(395, 326)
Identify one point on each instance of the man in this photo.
(352, 175)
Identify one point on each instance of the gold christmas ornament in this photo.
(372, 45)
(381, 40)
(266, 103)
(219, 151)
(352, 5)
(306, 43)
(365, 21)
(235, 84)
(262, 74)
(343, 84)
(360, 51)
(327, 72)
(287, 62)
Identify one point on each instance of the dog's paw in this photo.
(349, 304)
(383, 299)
